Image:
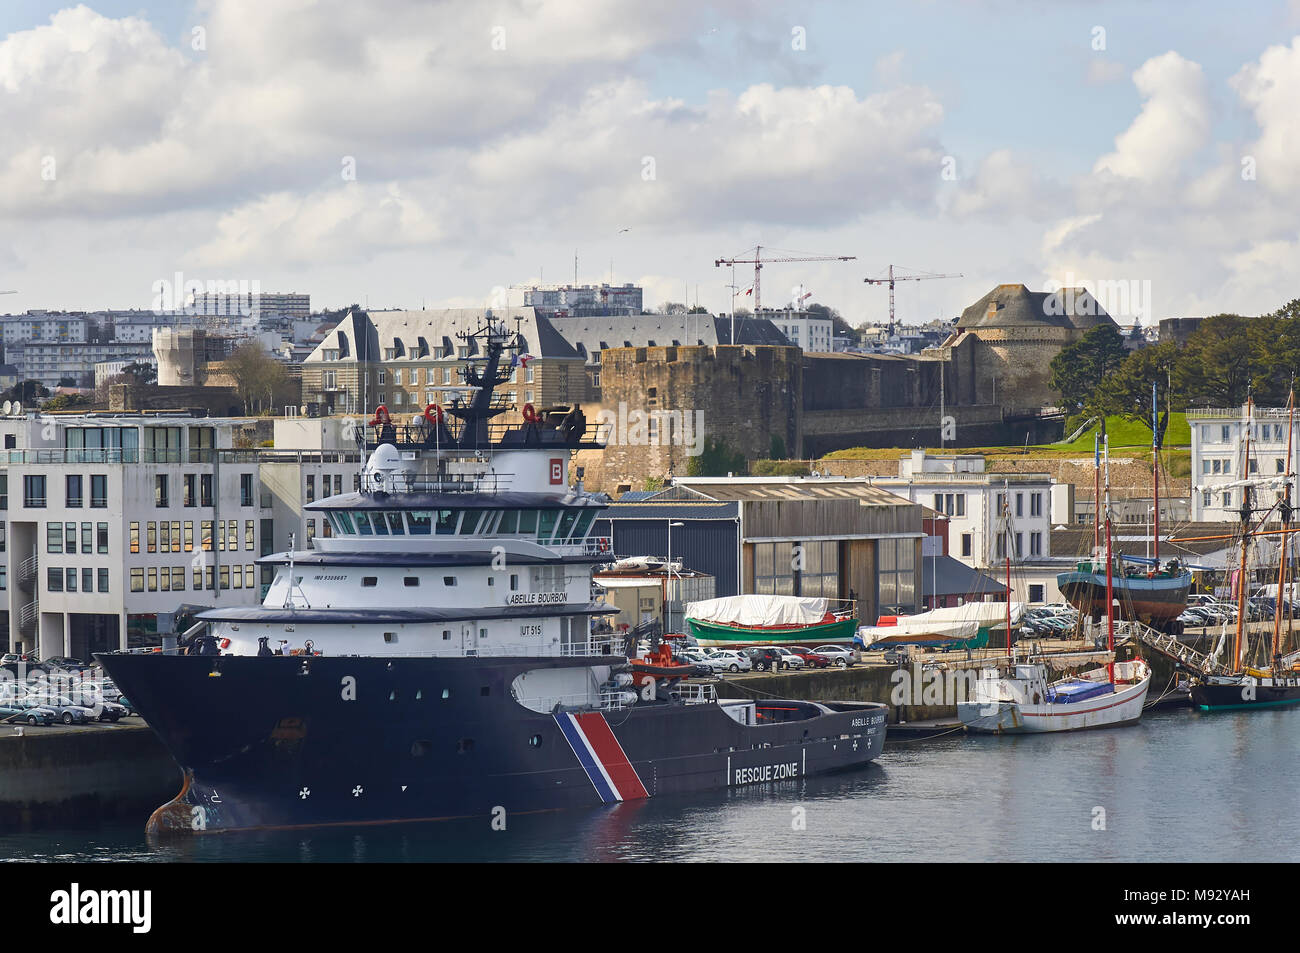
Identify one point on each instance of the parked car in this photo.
(732, 660)
(27, 712)
(766, 658)
(789, 659)
(64, 708)
(839, 655)
(810, 658)
(64, 661)
(696, 657)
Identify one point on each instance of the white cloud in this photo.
(1173, 125)
(1271, 90)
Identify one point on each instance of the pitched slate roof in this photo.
(1014, 305)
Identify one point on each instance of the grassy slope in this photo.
(1123, 433)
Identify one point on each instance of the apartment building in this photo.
(1219, 462)
(958, 487)
(114, 524)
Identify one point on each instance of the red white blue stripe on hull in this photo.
(601, 756)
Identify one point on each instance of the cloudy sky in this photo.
(409, 152)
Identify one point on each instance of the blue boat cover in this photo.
(1078, 691)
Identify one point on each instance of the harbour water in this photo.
(1180, 786)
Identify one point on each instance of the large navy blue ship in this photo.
(439, 654)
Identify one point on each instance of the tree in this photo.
(258, 377)
(27, 392)
(1221, 359)
(66, 402)
(1127, 391)
(698, 309)
(672, 307)
(1080, 367)
(717, 459)
(142, 371)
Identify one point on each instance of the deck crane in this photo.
(893, 278)
(758, 261)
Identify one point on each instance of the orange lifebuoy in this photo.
(530, 414)
(381, 416)
(433, 414)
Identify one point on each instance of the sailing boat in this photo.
(1020, 697)
(1277, 681)
(1156, 597)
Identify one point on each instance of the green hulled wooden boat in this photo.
(771, 620)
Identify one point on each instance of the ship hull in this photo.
(1227, 694)
(1115, 710)
(1156, 602)
(359, 740)
(719, 635)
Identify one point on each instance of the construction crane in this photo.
(758, 261)
(893, 278)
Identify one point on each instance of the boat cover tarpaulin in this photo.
(1078, 691)
(759, 611)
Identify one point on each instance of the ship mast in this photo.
(1284, 509)
(1245, 535)
(1006, 546)
(1096, 489)
(1110, 584)
(1155, 479)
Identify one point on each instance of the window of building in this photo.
(1036, 593)
(160, 490)
(1227, 500)
(205, 489)
(246, 489)
(54, 537)
(205, 531)
(152, 572)
(178, 578)
(225, 577)
(248, 535)
(1020, 504)
(966, 544)
(99, 491)
(1225, 434)
(102, 579)
(73, 484)
(87, 537)
(135, 537)
(1035, 544)
(1035, 504)
(311, 489)
(897, 573)
(70, 537)
(34, 491)
(151, 537)
(137, 580)
(190, 496)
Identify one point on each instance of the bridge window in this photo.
(363, 525)
(527, 522)
(584, 524)
(379, 523)
(509, 522)
(446, 522)
(421, 523)
(567, 519)
(395, 524)
(469, 523)
(546, 524)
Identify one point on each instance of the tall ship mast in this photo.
(440, 655)
(1148, 592)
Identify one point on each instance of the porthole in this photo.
(535, 741)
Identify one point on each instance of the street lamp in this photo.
(668, 618)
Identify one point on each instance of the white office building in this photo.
(115, 524)
(804, 329)
(957, 486)
(1218, 460)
